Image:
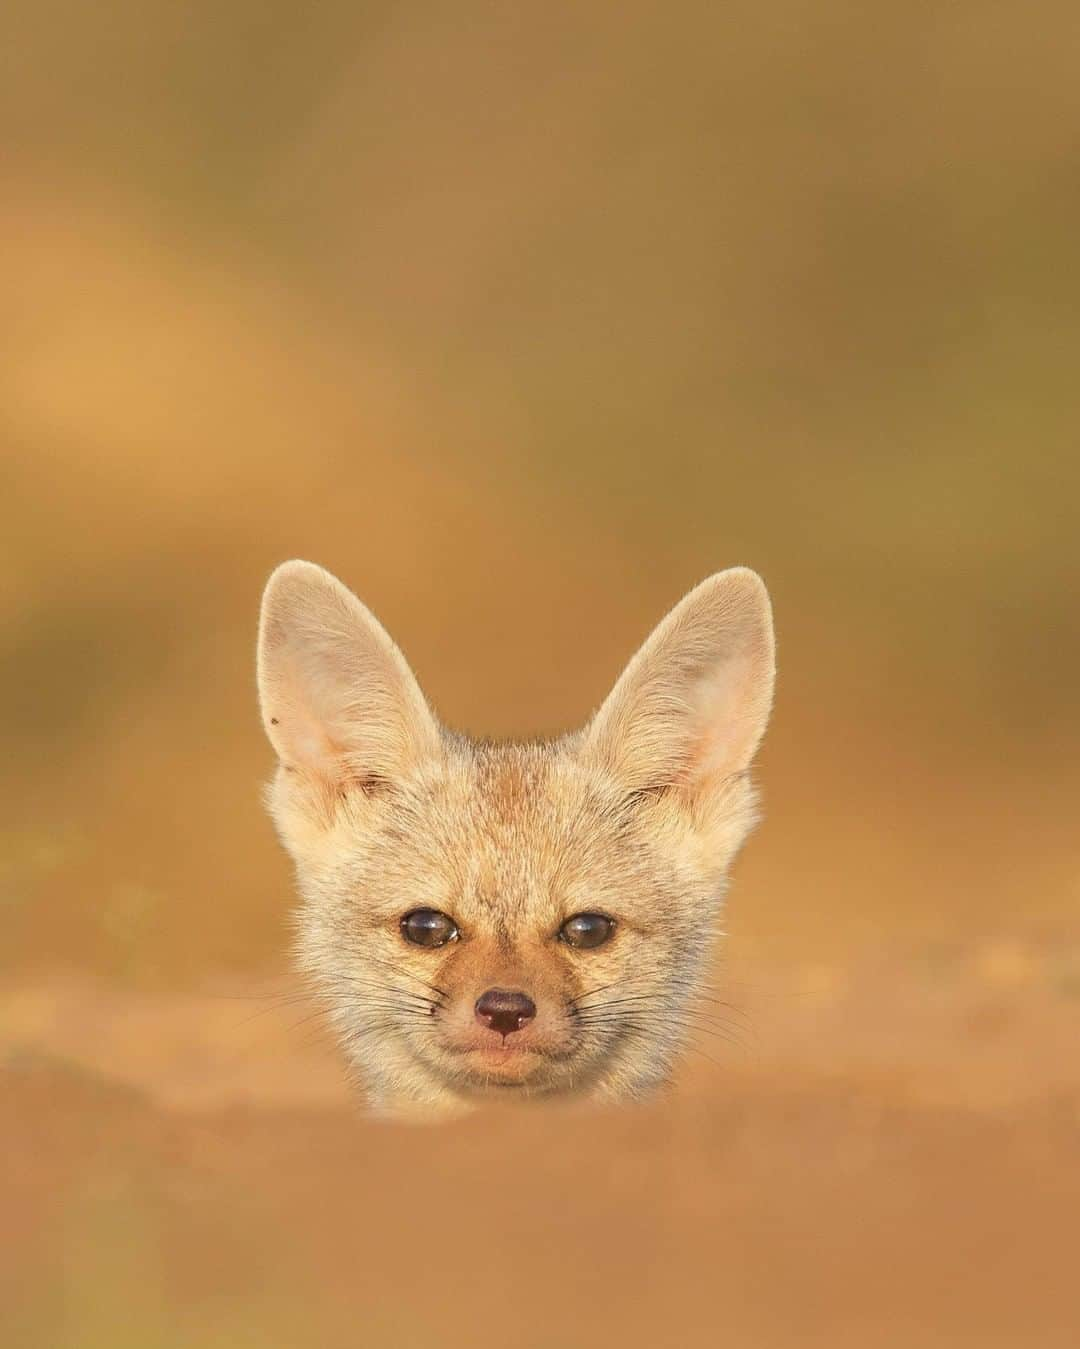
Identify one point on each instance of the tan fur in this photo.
(638, 817)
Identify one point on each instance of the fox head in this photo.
(510, 919)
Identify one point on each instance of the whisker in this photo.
(398, 969)
(657, 1021)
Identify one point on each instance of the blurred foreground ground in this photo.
(888, 1156)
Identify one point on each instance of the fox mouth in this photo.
(504, 1066)
(504, 1062)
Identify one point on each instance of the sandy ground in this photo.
(890, 1155)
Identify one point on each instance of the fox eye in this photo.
(428, 927)
(587, 929)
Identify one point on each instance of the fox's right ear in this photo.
(340, 705)
(689, 710)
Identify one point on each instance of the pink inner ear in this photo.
(302, 742)
(318, 750)
(723, 735)
(302, 735)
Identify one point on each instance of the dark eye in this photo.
(428, 927)
(587, 929)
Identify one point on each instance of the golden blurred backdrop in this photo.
(522, 319)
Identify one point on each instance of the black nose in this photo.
(504, 1012)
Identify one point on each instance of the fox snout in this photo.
(504, 1012)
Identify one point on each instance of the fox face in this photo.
(499, 920)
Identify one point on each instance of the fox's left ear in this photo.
(692, 705)
(339, 703)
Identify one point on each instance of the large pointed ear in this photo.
(692, 705)
(339, 703)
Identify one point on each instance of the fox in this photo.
(488, 920)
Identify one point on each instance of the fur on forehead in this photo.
(516, 831)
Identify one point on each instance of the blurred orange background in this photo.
(522, 319)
